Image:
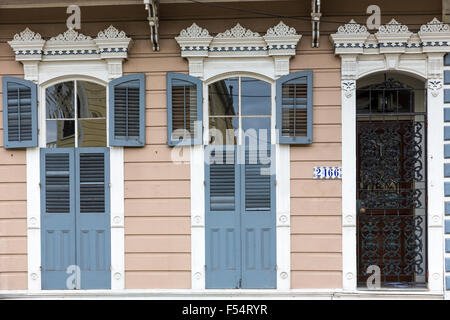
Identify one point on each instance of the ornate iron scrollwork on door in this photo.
(391, 182)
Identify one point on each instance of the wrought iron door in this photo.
(391, 183)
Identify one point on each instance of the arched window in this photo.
(239, 111)
(75, 122)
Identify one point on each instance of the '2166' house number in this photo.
(327, 173)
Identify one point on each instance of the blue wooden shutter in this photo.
(258, 220)
(93, 237)
(57, 216)
(184, 109)
(223, 259)
(294, 108)
(19, 113)
(127, 111)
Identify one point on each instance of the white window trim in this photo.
(46, 63)
(393, 48)
(239, 51)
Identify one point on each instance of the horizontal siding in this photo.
(316, 206)
(151, 207)
(158, 225)
(13, 245)
(316, 243)
(158, 279)
(13, 206)
(315, 225)
(317, 261)
(157, 190)
(158, 261)
(13, 263)
(316, 279)
(156, 243)
(13, 280)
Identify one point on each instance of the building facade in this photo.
(185, 149)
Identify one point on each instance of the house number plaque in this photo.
(327, 173)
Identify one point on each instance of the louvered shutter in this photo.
(19, 113)
(184, 109)
(222, 181)
(57, 216)
(294, 108)
(127, 111)
(257, 176)
(223, 259)
(258, 220)
(93, 217)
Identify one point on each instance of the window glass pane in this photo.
(60, 133)
(224, 97)
(92, 133)
(60, 101)
(256, 97)
(91, 100)
(223, 130)
(256, 130)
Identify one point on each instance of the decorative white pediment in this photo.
(435, 35)
(393, 27)
(238, 32)
(69, 36)
(110, 45)
(194, 41)
(351, 37)
(27, 43)
(194, 31)
(281, 30)
(392, 38)
(111, 33)
(434, 27)
(352, 28)
(27, 35)
(238, 41)
(70, 45)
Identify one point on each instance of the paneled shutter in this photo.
(57, 216)
(184, 109)
(294, 108)
(127, 111)
(258, 220)
(19, 113)
(223, 260)
(93, 217)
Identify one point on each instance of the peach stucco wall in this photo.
(157, 192)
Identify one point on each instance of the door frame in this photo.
(94, 71)
(435, 183)
(214, 71)
(421, 55)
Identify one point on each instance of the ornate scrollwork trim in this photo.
(280, 40)
(349, 88)
(109, 43)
